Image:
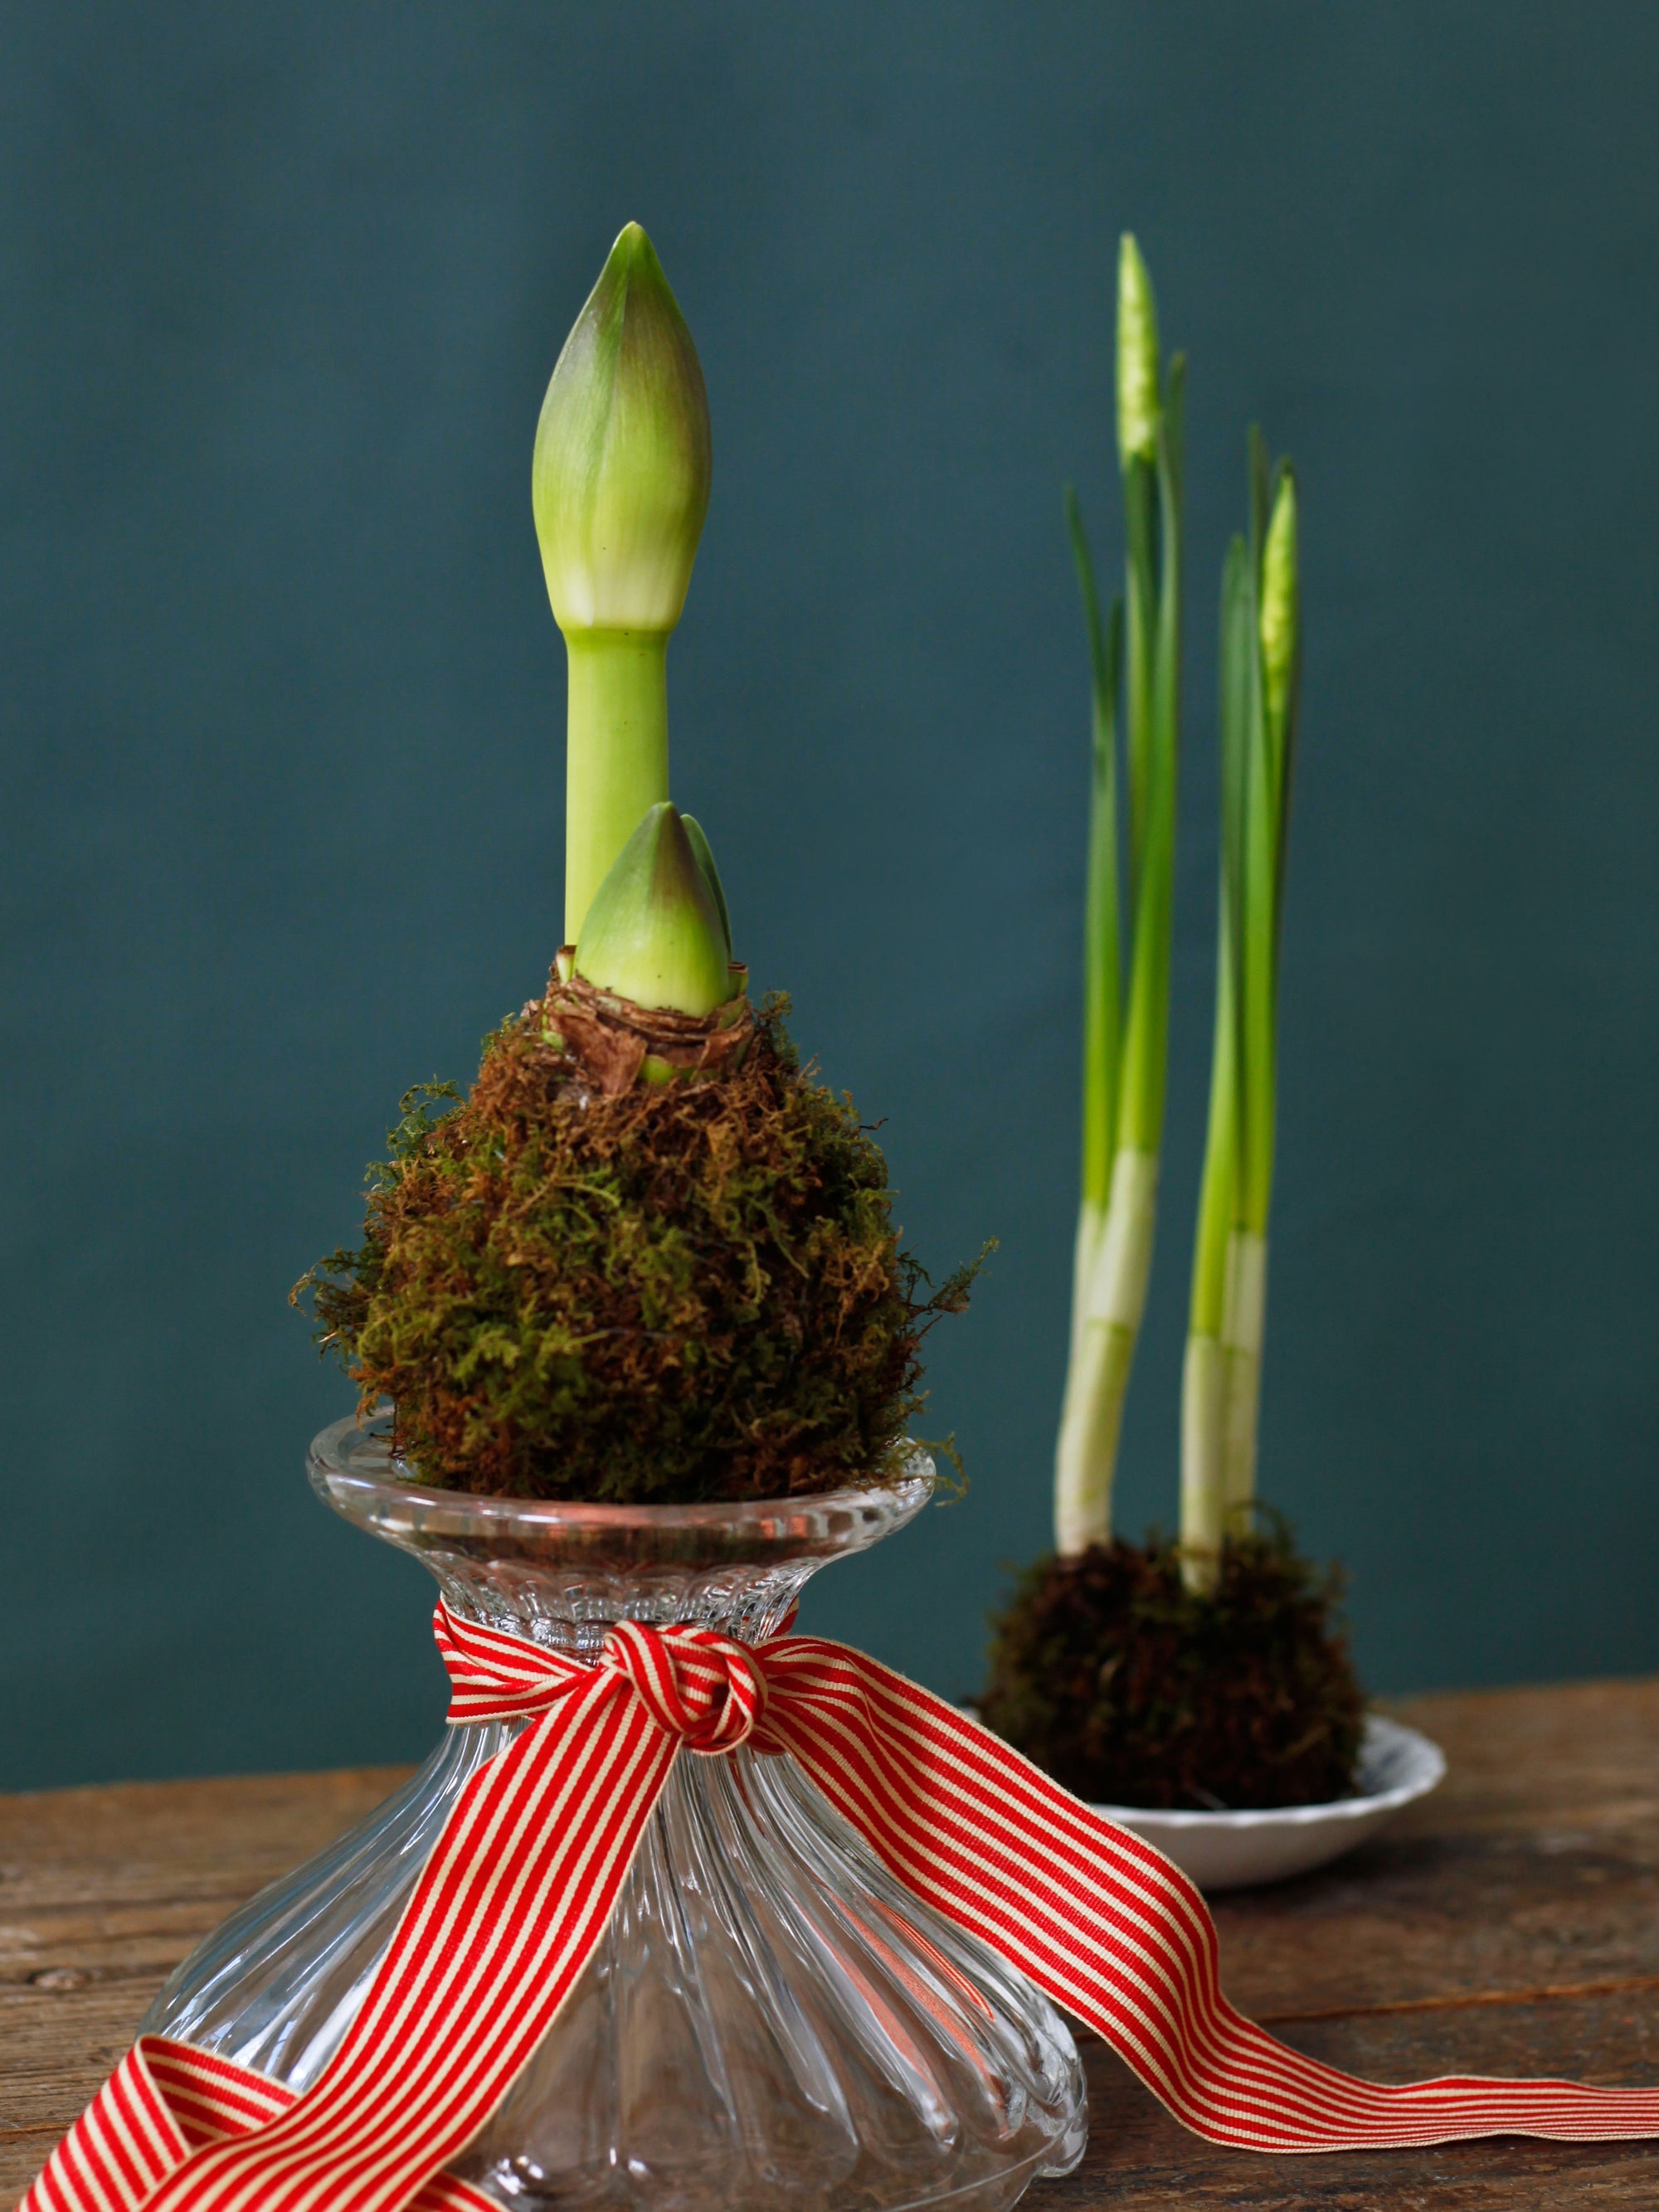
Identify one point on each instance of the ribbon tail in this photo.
(121, 2149)
(508, 1907)
(1107, 1928)
(164, 2099)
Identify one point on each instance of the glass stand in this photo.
(770, 2019)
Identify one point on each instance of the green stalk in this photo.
(1204, 1377)
(1221, 1386)
(1154, 745)
(615, 753)
(1102, 957)
(1125, 1069)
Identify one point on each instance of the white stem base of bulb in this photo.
(1221, 1411)
(1113, 1299)
(1203, 1461)
(1244, 1329)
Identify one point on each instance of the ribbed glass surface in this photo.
(770, 2018)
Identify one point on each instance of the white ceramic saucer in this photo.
(1237, 1850)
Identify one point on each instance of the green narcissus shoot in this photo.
(620, 487)
(1136, 654)
(1279, 600)
(705, 858)
(1261, 665)
(1137, 357)
(652, 932)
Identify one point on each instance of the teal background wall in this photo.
(280, 822)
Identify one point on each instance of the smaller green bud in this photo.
(1137, 406)
(623, 455)
(1278, 597)
(652, 932)
(705, 854)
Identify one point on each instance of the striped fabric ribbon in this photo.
(531, 1861)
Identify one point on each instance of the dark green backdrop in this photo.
(282, 773)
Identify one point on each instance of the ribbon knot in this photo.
(706, 1689)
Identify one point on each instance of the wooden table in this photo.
(1510, 1924)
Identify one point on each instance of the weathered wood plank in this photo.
(1535, 1864)
(103, 1891)
(1509, 1925)
(1139, 2156)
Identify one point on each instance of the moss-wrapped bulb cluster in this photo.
(1131, 1689)
(684, 1290)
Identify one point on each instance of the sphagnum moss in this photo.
(1131, 1689)
(682, 1292)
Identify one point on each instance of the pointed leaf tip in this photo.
(654, 933)
(705, 858)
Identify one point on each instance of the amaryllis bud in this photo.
(621, 474)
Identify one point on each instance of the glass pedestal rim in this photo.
(342, 1459)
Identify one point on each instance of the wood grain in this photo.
(103, 1891)
(1508, 1925)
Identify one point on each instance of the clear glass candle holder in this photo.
(770, 2018)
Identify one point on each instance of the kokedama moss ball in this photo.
(692, 1289)
(1129, 1690)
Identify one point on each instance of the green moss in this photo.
(691, 1291)
(1130, 1690)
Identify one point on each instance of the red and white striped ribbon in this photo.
(528, 1868)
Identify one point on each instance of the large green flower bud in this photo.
(620, 479)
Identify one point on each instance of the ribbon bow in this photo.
(528, 1868)
(706, 1690)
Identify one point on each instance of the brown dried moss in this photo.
(1130, 1690)
(693, 1290)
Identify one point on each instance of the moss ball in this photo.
(1129, 1690)
(693, 1291)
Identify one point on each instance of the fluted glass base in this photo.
(769, 2016)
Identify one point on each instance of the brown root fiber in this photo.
(614, 1042)
(1130, 1690)
(689, 1290)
